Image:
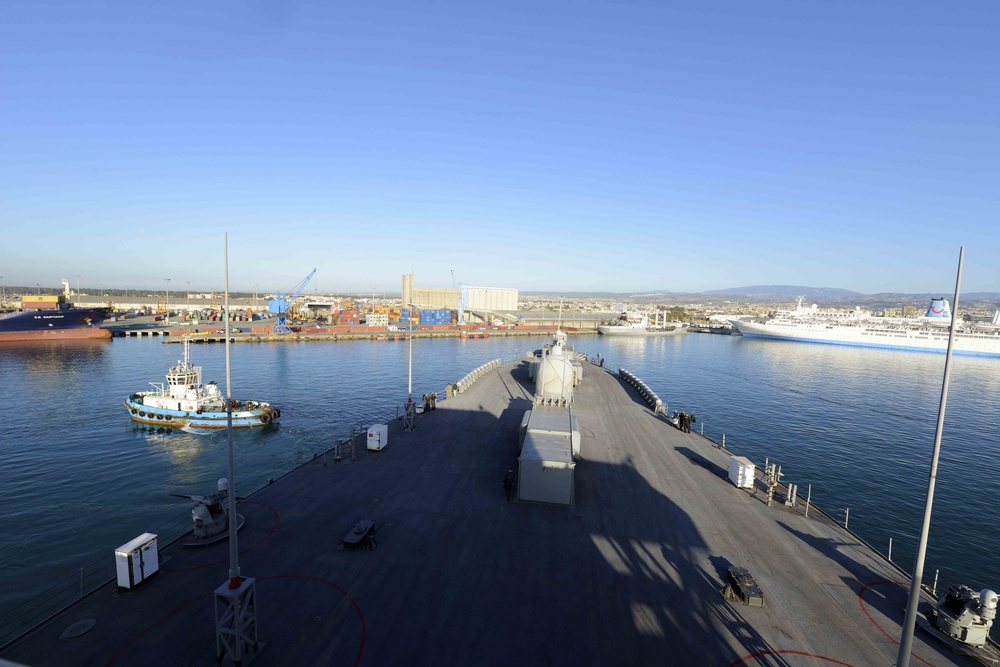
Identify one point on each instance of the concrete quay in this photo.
(629, 575)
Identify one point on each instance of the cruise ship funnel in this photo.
(939, 309)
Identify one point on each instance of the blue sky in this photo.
(554, 146)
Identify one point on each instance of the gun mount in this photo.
(966, 615)
(210, 515)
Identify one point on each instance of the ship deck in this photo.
(629, 575)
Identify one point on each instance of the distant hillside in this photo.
(776, 292)
(826, 296)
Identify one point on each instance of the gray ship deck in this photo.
(630, 575)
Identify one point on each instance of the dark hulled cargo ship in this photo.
(54, 324)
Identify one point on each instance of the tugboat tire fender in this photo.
(265, 418)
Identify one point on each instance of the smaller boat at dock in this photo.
(635, 323)
(185, 401)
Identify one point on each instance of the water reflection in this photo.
(43, 358)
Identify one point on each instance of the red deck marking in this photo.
(861, 601)
(249, 548)
(357, 610)
(760, 654)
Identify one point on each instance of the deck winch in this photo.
(965, 615)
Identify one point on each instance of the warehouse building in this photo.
(479, 300)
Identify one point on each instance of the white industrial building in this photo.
(489, 299)
(481, 300)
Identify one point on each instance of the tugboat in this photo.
(185, 401)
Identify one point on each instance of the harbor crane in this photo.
(283, 301)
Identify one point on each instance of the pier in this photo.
(632, 573)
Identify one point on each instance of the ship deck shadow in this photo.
(627, 575)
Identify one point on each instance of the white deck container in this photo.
(545, 469)
(741, 472)
(136, 561)
(378, 437)
(552, 420)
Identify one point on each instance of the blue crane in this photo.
(282, 301)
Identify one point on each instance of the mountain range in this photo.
(831, 296)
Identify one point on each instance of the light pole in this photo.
(409, 409)
(187, 315)
(167, 280)
(78, 285)
(410, 371)
(39, 289)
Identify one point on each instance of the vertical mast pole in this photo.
(906, 640)
(234, 554)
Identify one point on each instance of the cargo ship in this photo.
(59, 324)
(637, 324)
(860, 328)
(53, 317)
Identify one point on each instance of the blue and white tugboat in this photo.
(185, 401)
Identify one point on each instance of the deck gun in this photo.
(209, 512)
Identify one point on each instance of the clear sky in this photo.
(541, 145)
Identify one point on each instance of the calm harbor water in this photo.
(79, 478)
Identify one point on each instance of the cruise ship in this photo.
(859, 327)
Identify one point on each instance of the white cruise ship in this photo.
(859, 327)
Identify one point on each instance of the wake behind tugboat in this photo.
(185, 402)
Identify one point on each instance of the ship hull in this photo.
(636, 331)
(85, 333)
(621, 331)
(65, 324)
(262, 415)
(921, 340)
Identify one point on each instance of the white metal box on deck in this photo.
(552, 420)
(524, 429)
(378, 436)
(136, 561)
(741, 472)
(545, 469)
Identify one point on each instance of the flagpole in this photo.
(906, 640)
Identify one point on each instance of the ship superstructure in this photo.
(859, 327)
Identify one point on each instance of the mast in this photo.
(906, 641)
